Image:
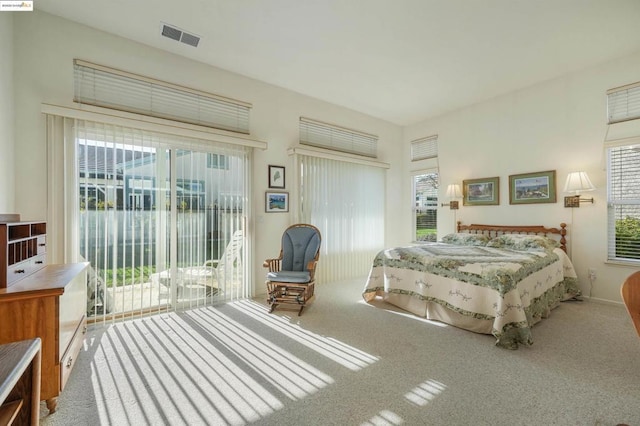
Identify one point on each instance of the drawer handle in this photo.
(39, 262)
(19, 271)
(41, 245)
(69, 362)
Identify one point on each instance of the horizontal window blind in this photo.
(424, 148)
(624, 203)
(623, 103)
(324, 135)
(110, 88)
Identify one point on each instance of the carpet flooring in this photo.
(344, 362)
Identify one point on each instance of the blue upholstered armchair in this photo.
(291, 276)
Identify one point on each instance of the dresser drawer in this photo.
(23, 269)
(18, 271)
(70, 356)
(38, 262)
(42, 244)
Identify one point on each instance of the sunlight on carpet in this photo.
(425, 392)
(384, 418)
(348, 356)
(195, 367)
(289, 374)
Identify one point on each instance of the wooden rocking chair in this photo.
(291, 276)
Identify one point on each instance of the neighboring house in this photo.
(124, 179)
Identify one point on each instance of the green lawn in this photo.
(426, 234)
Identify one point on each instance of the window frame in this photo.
(614, 201)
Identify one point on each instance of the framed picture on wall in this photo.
(276, 202)
(481, 192)
(276, 177)
(533, 188)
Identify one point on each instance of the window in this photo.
(425, 192)
(346, 201)
(624, 203)
(217, 161)
(151, 218)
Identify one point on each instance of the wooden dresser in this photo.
(50, 304)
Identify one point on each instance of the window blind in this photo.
(115, 89)
(623, 103)
(346, 201)
(424, 148)
(145, 210)
(324, 135)
(624, 203)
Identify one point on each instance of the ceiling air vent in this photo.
(178, 35)
(190, 39)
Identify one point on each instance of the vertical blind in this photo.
(624, 203)
(150, 211)
(324, 135)
(623, 103)
(116, 89)
(424, 148)
(346, 202)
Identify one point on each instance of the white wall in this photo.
(558, 125)
(45, 47)
(7, 186)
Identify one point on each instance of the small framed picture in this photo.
(533, 188)
(276, 177)
(276, 202)
(481, 192)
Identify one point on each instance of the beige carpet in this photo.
(344, 362)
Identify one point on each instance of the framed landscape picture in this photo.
(276, 202)
(533, 188)
(481, 192)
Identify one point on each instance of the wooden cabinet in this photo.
(49, 304)
(23, 250)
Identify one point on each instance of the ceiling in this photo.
(399, 60)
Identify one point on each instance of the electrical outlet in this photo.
(592, 274)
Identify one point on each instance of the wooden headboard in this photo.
(495, 230)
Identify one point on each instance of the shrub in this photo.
(628, 238)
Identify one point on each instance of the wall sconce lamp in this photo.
(453, 192)
(577, 182)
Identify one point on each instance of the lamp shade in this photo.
(453, 191)
(578, 182)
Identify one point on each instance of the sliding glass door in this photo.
(161, 219)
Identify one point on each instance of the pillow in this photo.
(464, 239)
(524, 242)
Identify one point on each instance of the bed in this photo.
(490, 279)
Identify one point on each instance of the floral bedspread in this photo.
(514, 289)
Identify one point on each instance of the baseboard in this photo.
(602, 301)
